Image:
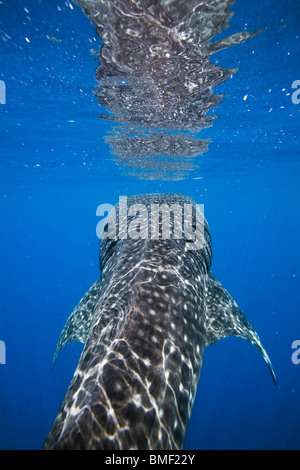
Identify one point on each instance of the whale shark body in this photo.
(145, 324)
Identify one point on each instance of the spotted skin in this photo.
(157, 307)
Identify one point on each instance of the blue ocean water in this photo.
(55, 169)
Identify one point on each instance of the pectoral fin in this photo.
(78, 324)
(224, 318)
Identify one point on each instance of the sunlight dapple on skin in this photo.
(145, 324)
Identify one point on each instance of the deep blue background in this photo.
(55, 170)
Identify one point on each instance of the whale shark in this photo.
(145, 324)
